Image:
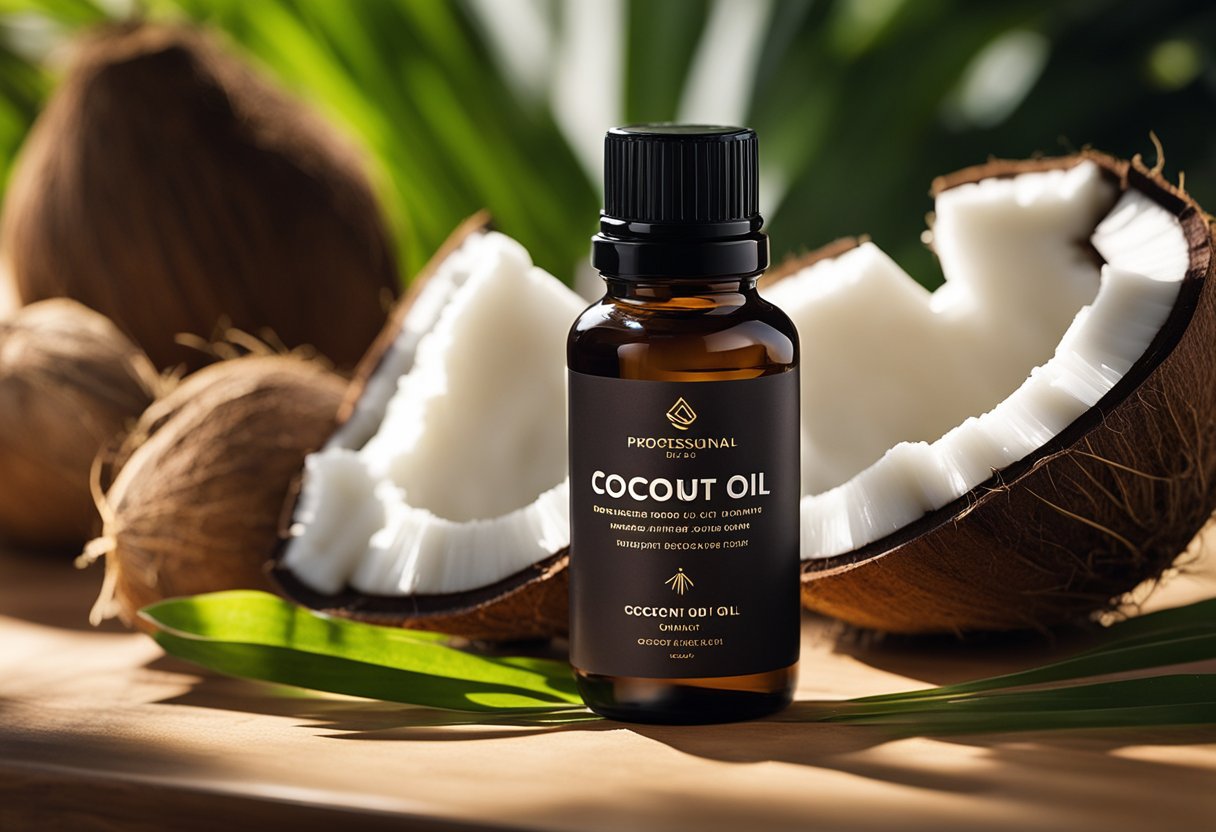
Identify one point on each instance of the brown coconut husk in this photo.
(195, 506)
(70, 382)
(173, 189)
(1108, 504)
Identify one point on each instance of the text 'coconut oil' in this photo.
(684, 442)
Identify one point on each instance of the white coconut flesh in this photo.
(449, 476)
(450, 473)
(910, 399)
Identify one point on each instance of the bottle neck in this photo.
(717, 291)
(697, 252)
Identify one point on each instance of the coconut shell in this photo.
(70, 382)
(171, 188)
(195, 506)
(531, 604)
(1109, 503)
(793, 264)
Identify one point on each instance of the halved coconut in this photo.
(1015, 449)
(441, 501)
(1031, 440)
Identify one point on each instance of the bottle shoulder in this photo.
(607, 318)
(611, 335)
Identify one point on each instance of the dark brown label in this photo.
(684, 515)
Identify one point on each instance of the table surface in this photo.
(100, 730)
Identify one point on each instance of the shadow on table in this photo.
(45, 588)
(864, 751)
(1090, 781)
(936, 660)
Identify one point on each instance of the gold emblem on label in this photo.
(681, 414)
(680, 582)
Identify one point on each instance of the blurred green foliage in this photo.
(859, 103)
(887, 118)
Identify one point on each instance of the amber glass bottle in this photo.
(684, 442)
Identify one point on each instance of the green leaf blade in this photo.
(1141, 651)
(661, 44)
(258, 635)
(350, 678)
(1177, 700)
(1175, 715)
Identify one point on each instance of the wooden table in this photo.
(99, 730)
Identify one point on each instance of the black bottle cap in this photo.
(680, 201)
(681, 173)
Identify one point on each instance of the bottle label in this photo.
(684, 526)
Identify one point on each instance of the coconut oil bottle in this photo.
(684, 442)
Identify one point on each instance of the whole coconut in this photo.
(70, 383)
(171, 188)
(195, 506)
